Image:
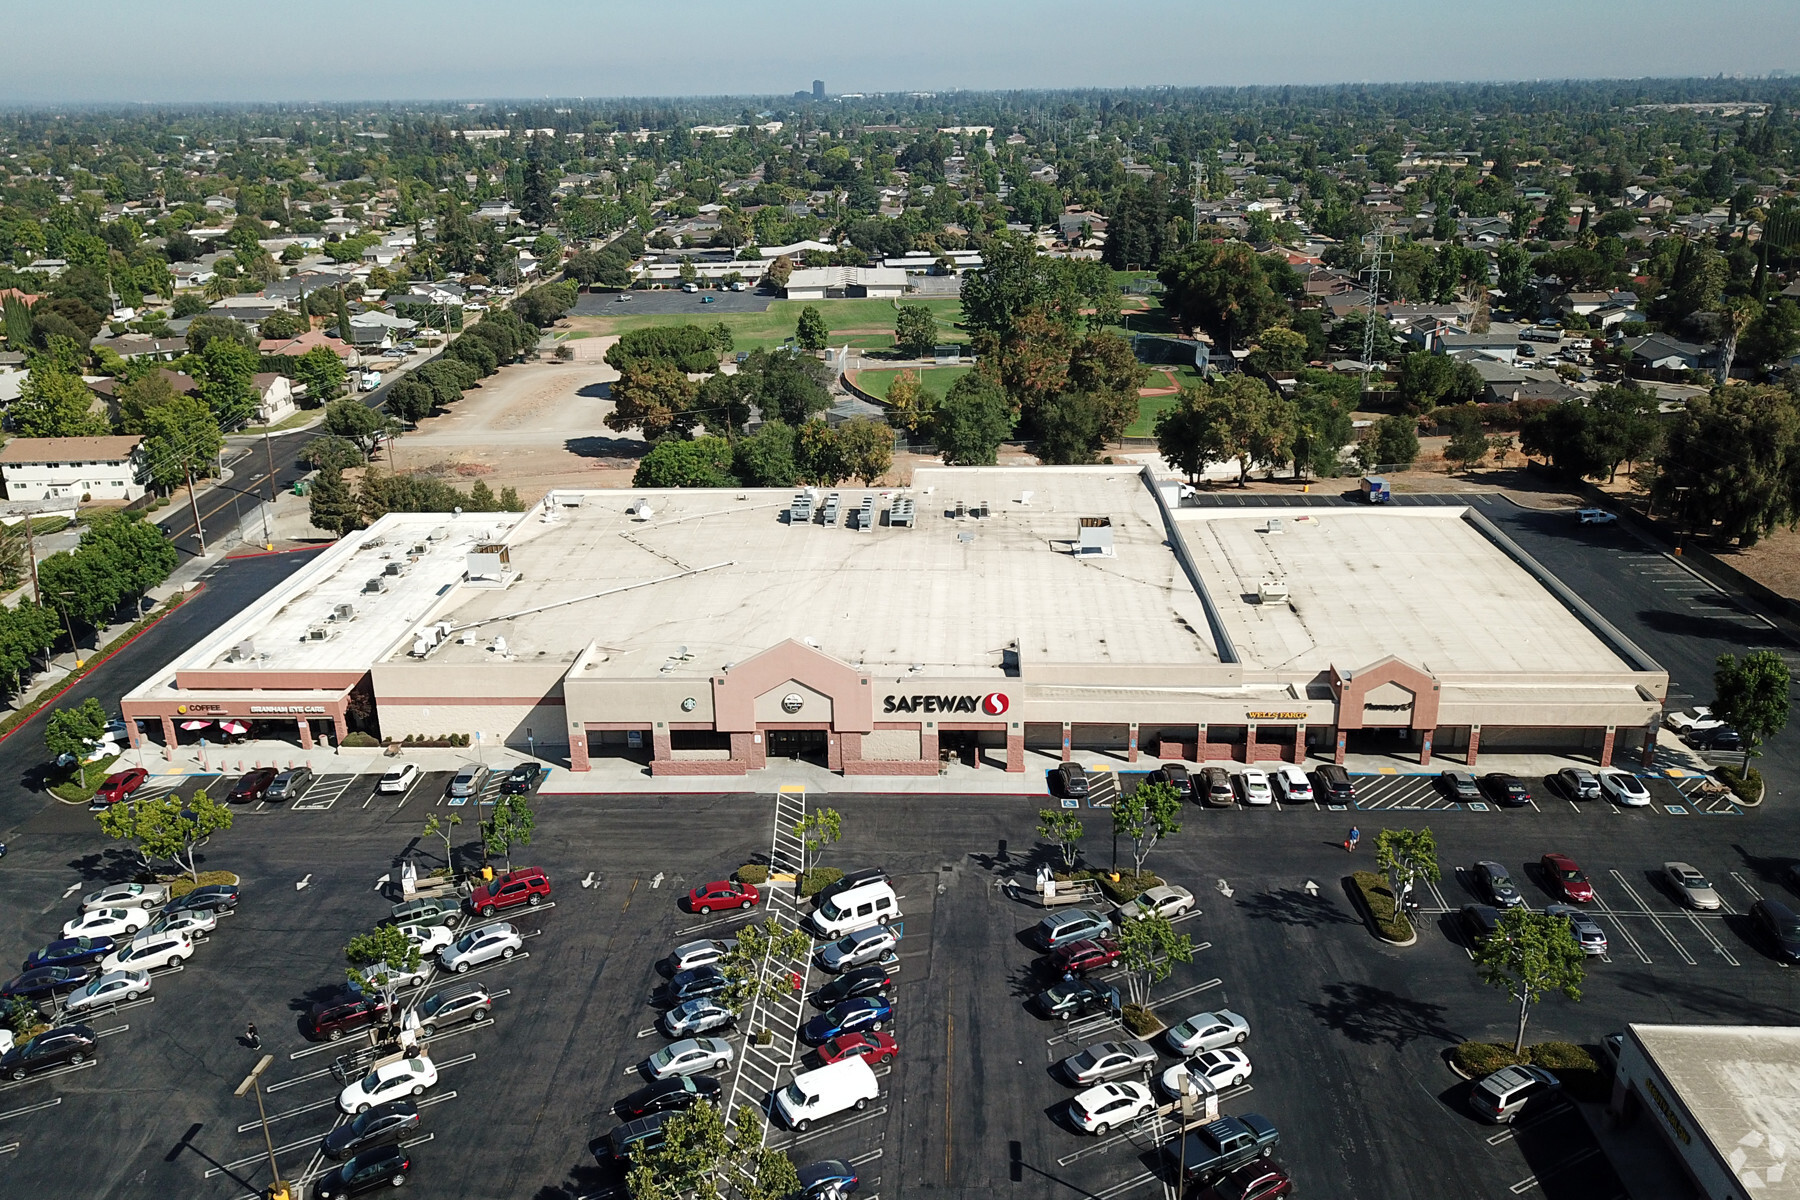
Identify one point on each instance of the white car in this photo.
(127, 895)
(1692, 720)
(114, 987)
(1226, 1068)
(389, 1081)
(690, 1056)
(430, 938)
(1253, 787)
(477, 946)
(1106, 1106)
(1166, 900)
(399, 779)
(189, 922)
(147, 951)
(382, 975)
(1208, 1031)
(107, 922)
(1625, 788)
(1596, 516)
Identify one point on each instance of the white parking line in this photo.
(30, 1108)
(1654, 919)
(1745, 884)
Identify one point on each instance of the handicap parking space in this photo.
(325, 791)
(162, 785)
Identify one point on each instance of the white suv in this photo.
(481, 945)
(148, 951)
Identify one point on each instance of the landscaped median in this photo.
(1370, 893)
(1746, 786)
(1574, 1066)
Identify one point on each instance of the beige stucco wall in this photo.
(815, 706)
(891, 745)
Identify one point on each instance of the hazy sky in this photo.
(208, 50)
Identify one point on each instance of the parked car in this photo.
(1219, 1146)
(119, 786)
(427, 911)
(1692, 720)
(1691, 886)
(697, 1016)
(1506, 789)
(698, 954)
(638, 1136)
(253, 786)
(669, 1095)
(1072, 780)
(127, 895)
(467, 783)
(1106, 1060)
(220, 897)
(428, 939)
(107, 922)
(1586, 931)
(1780, 925)
(344, 1013)
(1227, 1067)
(114, 987)
(1089, 954)
(389, 1081)
(388, 1123)
(1459, 785)
(523, 779)
(149, 951)
(1718, 741)
(857, 949)
(1215, 788)
(1258, 1180)
(291, 784)
(69, 952)
(1625, 788)
(1253, 787)
(1496, 883)
(1291, 784)
(1176, 776)
(477, 946)
(834, 1178)
(527, 885)
(398, 779)
(1164, 900)
(1333, 784)
(1106, 1106)
(1480, 921)
(1566, 878)
(470, 1004)
(723, 893)
(872, 1046)
(385, 1166)
(690, 1056)
(864, 981)
(1071, 925)
(1208, 1031)
(68, 1045)
(1077, 998)
(695, 983)
(189, 922)
(40, 983)
(1596, 516)
(1501, 1096)
(1578, 783)
(852, 1016)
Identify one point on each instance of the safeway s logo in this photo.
(994, 703)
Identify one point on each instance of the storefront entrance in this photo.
(807, 744)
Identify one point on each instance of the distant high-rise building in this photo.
(818, 89)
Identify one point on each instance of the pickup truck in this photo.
(1220, 1145)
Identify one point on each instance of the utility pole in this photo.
(37, 592)
(278, 1189)
(269, 454)
(1372, 274)
(187, 473)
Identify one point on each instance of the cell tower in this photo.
(1376, 257)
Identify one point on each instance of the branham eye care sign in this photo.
(994, 704)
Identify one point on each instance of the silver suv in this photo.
(855, 949)
(448, 1008)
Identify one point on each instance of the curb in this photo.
(1356, 897)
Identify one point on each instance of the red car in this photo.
(527, 885)
(723, 893)
(1566, 877)
(1259, 1180)
(1089, 954)
(872, 1045)
(121, 784)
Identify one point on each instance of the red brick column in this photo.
(578, 750)
(659, 742)
(1474, 744)
(1342, 739)
(1131, 747)
(851, 750)
(305, 733)
(1068, 734)
(1299, 744)
(1250, 744)
(1606, 747)
(339, 727)
(928, 744)
(749, 750)
(1015, 748)
(834, 752)
(169, 737)
(1649, 758)
(1425, 750)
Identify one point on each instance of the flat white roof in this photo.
(1419, 583)
(1742, 1084)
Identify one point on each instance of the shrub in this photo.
(1477, 1059)
(764, 1037)
(182, 886)
(359, 739)
(752, 873)
(1140, 1020)
(818, 879)
(1373, 890)
(1575, 1065)
(1746, 787)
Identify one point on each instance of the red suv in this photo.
(1566, 877)
(121, 784)
(344, 1013)
(527, 885)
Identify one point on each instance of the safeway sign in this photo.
(993, 704)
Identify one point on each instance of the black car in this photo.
(695, 983)
(1506, 789)
(1332, 784)
(1722, 737)
(384, 1167)
(1176, 776)
(41, 982)
(863, 981)
(379, 1125)
(1496, 883)
(1780, 925)
(1077, 998)
(669, 1095)
(828, 1180)
(1480, 921)
(645, 1133)
(70, 1044)
(70, 952)
(1072, 779)
(220, 897)
(524, 780)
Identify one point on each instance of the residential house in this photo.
(107, 388)
(140, 345)
(275, 397)
(426, 292)
(376, 329)
(306, 341)
(1660, 352)
(219, 204)
(49, 266)
(192, 275)
(1495, 345)
(1586, 304)
(496, 210)
(80, 468)
(248, 309)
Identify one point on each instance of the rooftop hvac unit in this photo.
(421, 647)
(1274, 525)
(499, 646)
(865, 518)
(344, 612)
(394, 569)
(829, 515)
(801, 510)
(1271, 590)
(979, 511)
(1096, 536)
(641, 511)
(902, 512)
(244, 651)
(317, 633)
(419, 550)
(438, 534)
(377, 584)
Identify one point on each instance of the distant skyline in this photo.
(210, 51)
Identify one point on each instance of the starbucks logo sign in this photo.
(792, 703)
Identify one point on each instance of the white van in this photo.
(853, 908)
(1292, 784)
(815, 1095)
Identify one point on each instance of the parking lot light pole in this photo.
(278, 1189)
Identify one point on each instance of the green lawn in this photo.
(766, 330)
(1148, 408)
(935, 380)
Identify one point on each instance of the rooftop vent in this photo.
(394, 569)
(1271, 590)
(317, 633)
(641, 511)
(377, 584)
(344, 612)
(244, 651)
(1095, 537)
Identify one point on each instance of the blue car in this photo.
(40, 982)
(70, 952)
(864, 1012)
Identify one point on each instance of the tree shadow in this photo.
(1373, 1016)
(607, 447)
(1291, 906)
(114, 864)
(595, 391)
(317, 995)
(1771, 868)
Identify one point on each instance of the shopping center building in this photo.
(989, 613)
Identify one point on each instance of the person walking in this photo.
(250, 1036)
(1355, 837)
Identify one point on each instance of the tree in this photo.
(55, 403)
(811, 332)
(1429, 381)
(1149, 948)
(656, 396)
(915, 330)
(410, 400)
(770, 457)
(1734, 316)
(1103, 365)
(72, 732)
(181, 438)
(380, 960)
(323, 373)
(1394, 444)
(1192, 432)
(281, 325)
(815, 831)
(1237, 417)
(509, 825)
(676, 462)
(909, 404)
(1323, 403)
(1773, 337)
(166, 827)
(330, 505)
(1069, 429)
(971, 422)
(1408, 856)
(209, 328)
(1223, 288)
(442, 828)
(1729, 462)
(1514, 281)
(752, 965)
(1277, 349)
(779, 271)
(705, 1158)
(227, 374)
(1063, 827)
(357, 423)
(1468, 444)
(545, 304)
(1751, 696)
(1149, 814)
(865, 448)
(1528, 955)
